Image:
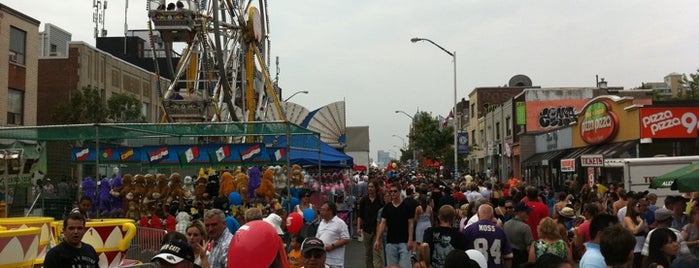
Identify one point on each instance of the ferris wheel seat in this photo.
(186, 110)
(174, 25)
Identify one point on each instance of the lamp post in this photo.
(412, 144)
(401, 138)
(456, 122)
(296, 93)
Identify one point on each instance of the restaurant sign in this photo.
(669, 122)
(599, 124)
(568, 165)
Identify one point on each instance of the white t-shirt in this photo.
(330, 232)
(683, 245)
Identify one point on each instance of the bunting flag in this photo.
(159, 154)
(108, 153)
(127, 154)
(442, 122)
(191, 153)
(250, 153)
(82, 154)
(223, 152)
(279, 154)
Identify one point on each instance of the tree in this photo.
(124, 108)
(691, 86)
(433, 142)
(87, 106)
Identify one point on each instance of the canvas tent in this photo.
(326, 157)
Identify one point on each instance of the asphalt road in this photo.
(354, 254)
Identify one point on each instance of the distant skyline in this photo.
(360, 51)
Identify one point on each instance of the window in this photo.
(473, 137)
(145, 110)
(18, 40)
(508, 126)
(15, 107)
(497, 131)
(473, 109)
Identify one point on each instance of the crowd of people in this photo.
(412, 221)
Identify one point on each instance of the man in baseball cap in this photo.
(175, 253)
(313, 251)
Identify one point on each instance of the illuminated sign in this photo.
(599, 124)
(669, 122)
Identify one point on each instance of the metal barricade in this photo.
(146, 244)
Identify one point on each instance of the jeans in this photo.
(398, 254)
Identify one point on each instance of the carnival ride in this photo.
(223, 71)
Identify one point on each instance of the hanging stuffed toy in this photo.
(183, 220)
(103, 197)
(200, 186)
(255, 177)
(227, 184)
(266, 188)
(241, 185)
(116, 203)
(139, 193)
(89, 189)
(188, 184)
(177, 192)
(163, 190)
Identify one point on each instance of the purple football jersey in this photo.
(490, 240)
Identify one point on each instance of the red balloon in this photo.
(250, 246)
(294, 223)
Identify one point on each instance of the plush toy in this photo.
(266, 188)
(255, 177)
(227, 184)
(139, 193)
(280, 177)
(89, 189)
(183, 220)
(188, 184)
(212, 186)
(241, 185)
(163, 190)
(200, 189)
(116, 203)
(104, 199)
(177, 192)
(296, 176)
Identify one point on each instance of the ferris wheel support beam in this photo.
(269, 86)
(223, 76)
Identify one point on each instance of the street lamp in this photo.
(456, 122)
(296, 93)
(401, 138)
(406, 114)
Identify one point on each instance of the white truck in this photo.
(638, 172)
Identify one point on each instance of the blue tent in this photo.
(304, 151)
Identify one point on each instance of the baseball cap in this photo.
(662, 214)
(478, 257)
(521, 206)
(312, 243)
(275, 221)
(175, 252)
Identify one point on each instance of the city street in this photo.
(354, 254)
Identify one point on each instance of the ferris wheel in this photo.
(223, 73)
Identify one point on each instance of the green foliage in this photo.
(124, 108)
(692, 86)
(87, 106)
(433, 142)
(84, 107)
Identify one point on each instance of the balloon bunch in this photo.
(295, 220)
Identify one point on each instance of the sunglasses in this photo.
(313, 254)
(394, 191)
(509, 207)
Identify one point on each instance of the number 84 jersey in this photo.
(490, 240)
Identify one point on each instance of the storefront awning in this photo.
(622, 149)
(544, 159)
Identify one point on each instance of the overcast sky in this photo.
(360, 51)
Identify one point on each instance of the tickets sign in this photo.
(591, 160)
(669, 122)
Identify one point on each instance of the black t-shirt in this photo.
(412, 204)
(368, 212)
(443, 240)
(397, 222)
(64, 255)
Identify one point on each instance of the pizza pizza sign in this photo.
(599, 123)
